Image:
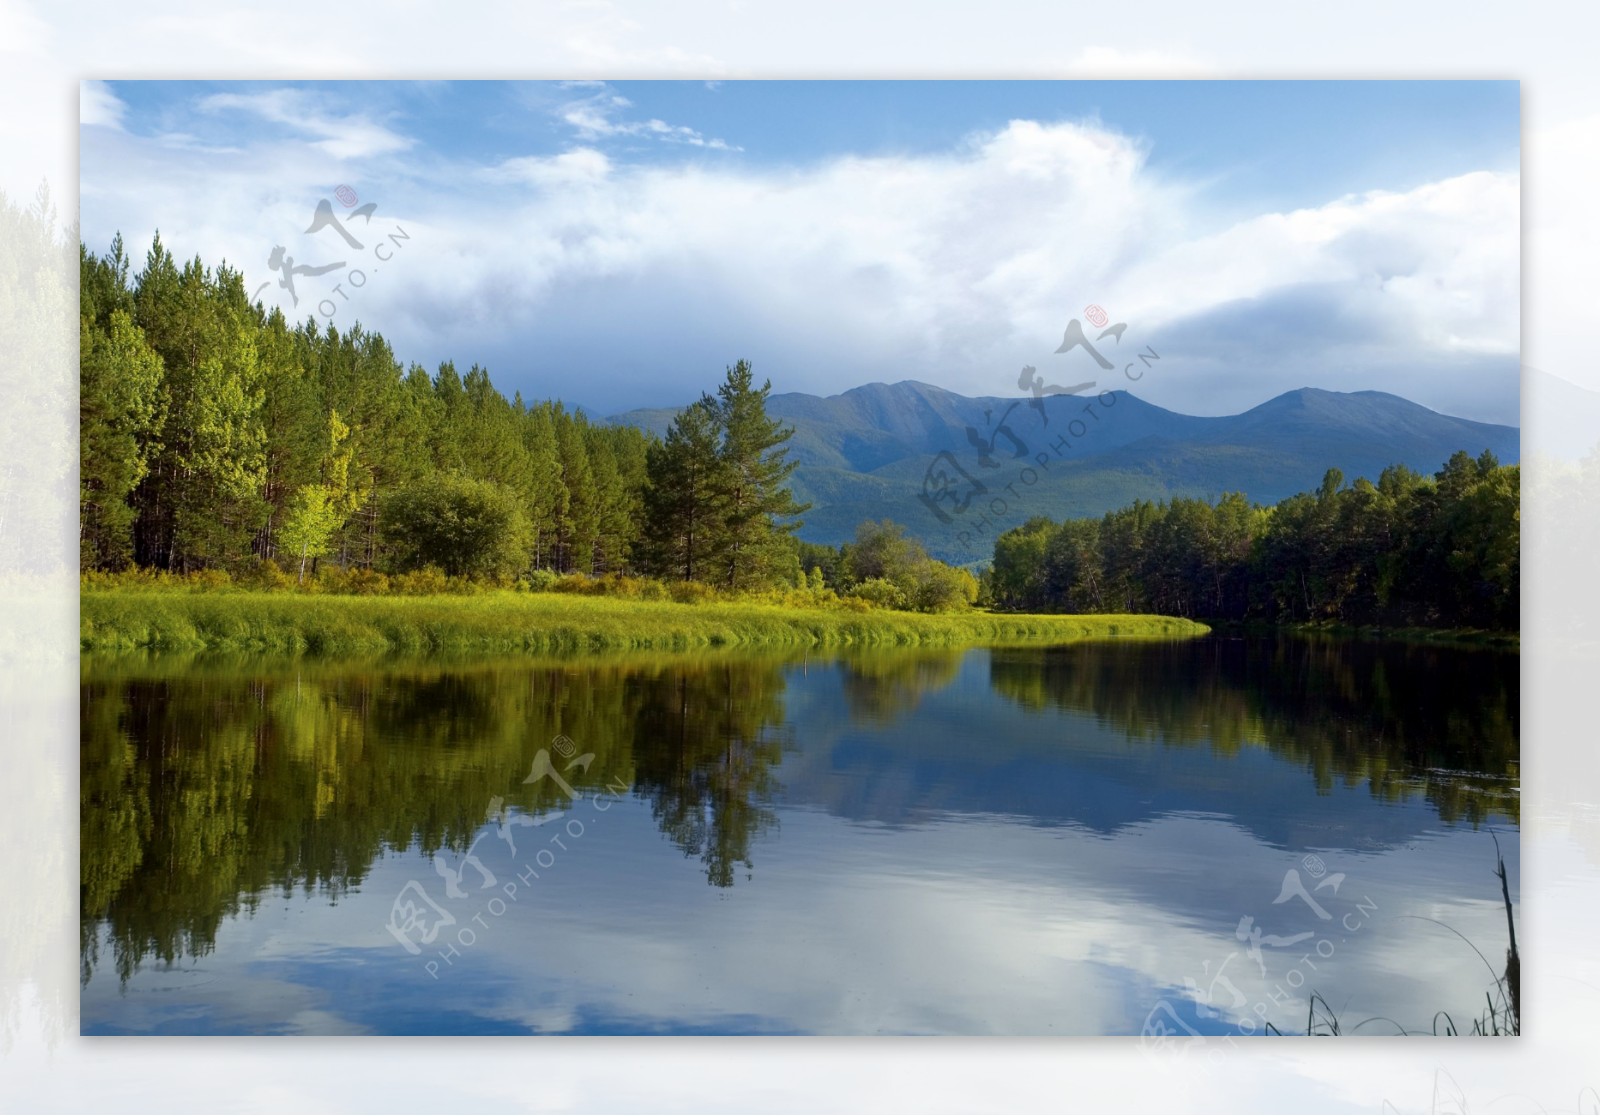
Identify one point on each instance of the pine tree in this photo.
(750, 547)
(121, 407)
(546, 496)
(683, 477)
(575, 531)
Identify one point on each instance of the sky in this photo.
(618, 244)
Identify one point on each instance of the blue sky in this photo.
(617, 244)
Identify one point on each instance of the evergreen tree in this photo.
(753, 507)
(546, 496)
(121, 409)
(684, 478)
(578, 523)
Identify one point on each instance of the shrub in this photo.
(880, 593)
(936, 587)
(465, 527)
(210, 579)
(267, 575)
(692, 592)
(541, 581)
(420, 583)
(355, 580)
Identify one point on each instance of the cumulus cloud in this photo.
(623, 283)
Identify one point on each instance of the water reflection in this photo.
(704, 747)
(214, 789)
(1402, 719)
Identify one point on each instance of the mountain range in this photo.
(872, 452)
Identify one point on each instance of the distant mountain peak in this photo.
(866, 453)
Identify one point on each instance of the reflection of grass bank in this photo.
(1460, 637)
(523, 622)
(1476, 637)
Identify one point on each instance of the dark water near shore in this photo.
(1096, 839)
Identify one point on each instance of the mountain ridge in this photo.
(866, 453)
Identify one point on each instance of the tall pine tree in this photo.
(753, 508)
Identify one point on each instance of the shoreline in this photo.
(505, 621)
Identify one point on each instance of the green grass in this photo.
(505, 621)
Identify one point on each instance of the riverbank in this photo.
(1461, 637)
(512, 622)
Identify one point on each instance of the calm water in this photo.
(1089, 840)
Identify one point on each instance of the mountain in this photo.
(866, 454)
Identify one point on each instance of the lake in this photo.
(1166, 839)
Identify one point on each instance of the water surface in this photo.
(1097, 839)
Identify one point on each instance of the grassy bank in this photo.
(538, 622)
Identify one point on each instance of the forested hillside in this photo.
(1440, 551)
(216, 435)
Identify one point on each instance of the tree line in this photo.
(216, 435)
(1440, 551)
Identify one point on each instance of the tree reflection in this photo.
(1406, 719)
(206, 789)
(705, 743)
(882, 686)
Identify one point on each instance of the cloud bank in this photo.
(624, 279)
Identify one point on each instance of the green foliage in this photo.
(1408, 551)
(541, 581)
(445, 614)
(753, 509)
(880, 592)
(121, 410)
(465, 527)
(312, 518)
(888, 570)
(206, 427)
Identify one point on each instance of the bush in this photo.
(541, 581)
(465, 527)
(427, 581)
(356, 580)
(880, 593)
(692, 592)
(936, 587)
(581, 584)
(267, 575)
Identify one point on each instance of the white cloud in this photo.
(594, 118)
(581, 165)
(952, 267)
(343, 137)
(99, 107)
